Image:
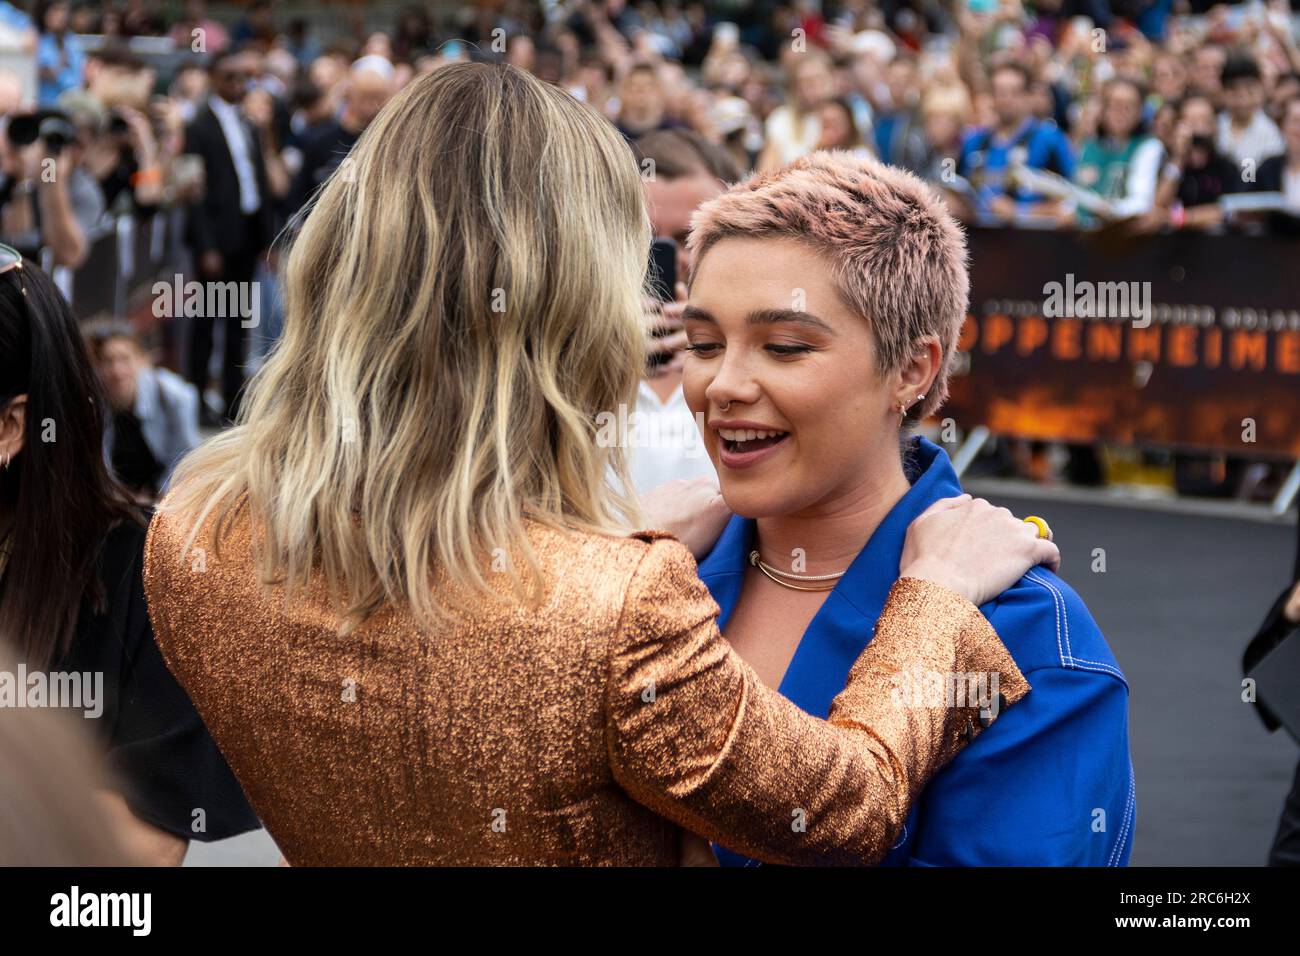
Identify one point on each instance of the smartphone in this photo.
(662, 279)
(663, 269)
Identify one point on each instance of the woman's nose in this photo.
(732, 383)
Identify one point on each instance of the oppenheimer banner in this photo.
(1179, 341)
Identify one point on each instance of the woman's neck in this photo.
(829, 534)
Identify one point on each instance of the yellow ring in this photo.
(1043, 530)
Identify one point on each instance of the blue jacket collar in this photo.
(858, 597)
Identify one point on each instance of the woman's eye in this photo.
(703, 348)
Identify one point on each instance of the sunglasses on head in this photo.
(12, 260)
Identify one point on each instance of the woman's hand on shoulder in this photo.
(969, 546)
(691, 509)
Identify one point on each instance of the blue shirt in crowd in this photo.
(986, 158)
(67, 65)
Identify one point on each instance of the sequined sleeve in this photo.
(693, 734)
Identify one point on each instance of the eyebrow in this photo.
(763, 317)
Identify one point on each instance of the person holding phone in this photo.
(680, 170)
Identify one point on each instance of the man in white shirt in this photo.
(682, 170)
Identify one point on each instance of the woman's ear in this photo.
(919, 372)
(13, 426)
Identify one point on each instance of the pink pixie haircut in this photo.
(898, 257)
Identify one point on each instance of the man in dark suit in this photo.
(230, 227)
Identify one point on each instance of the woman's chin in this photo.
(756, 501)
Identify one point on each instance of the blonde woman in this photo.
(401, 592)
(794, 128)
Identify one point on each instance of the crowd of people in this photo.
(1038, 114)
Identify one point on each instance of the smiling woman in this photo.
(824, 310)
(399, 592)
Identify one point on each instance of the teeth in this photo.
(746, 434)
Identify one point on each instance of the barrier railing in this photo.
(126, 256)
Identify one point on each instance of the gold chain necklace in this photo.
(828, 579)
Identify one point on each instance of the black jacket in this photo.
(158, 748)
(1270, 634)
(215, 222)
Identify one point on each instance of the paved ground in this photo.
(1181, 595)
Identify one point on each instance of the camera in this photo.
(52, 127)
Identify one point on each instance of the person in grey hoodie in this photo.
(154, 412)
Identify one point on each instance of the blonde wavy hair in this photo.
(462, 302)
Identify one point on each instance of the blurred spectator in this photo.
(838, 128)
(256, 25)
(189, 88)
(231, 226)
(1196, 175)
(1281, 173)
(1245, 133)
(369, 85)
(1285, 89)
(1121, 164)
(793, 129)
(899, 137)
(943, 114)
(198, 32)
(154, 412)
(47, 197)
(686, 170)
(1207, 71)
(642, 107)
(1168, 79)
(413, 35)
(988, 153)
(123, 153)
(59, 58)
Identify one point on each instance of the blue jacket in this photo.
(1050, 783)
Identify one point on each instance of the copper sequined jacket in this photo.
(582, 731)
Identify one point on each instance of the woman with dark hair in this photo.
(1121, 163)
(71, 596)
(839, 130)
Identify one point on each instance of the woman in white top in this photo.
(794, 129)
